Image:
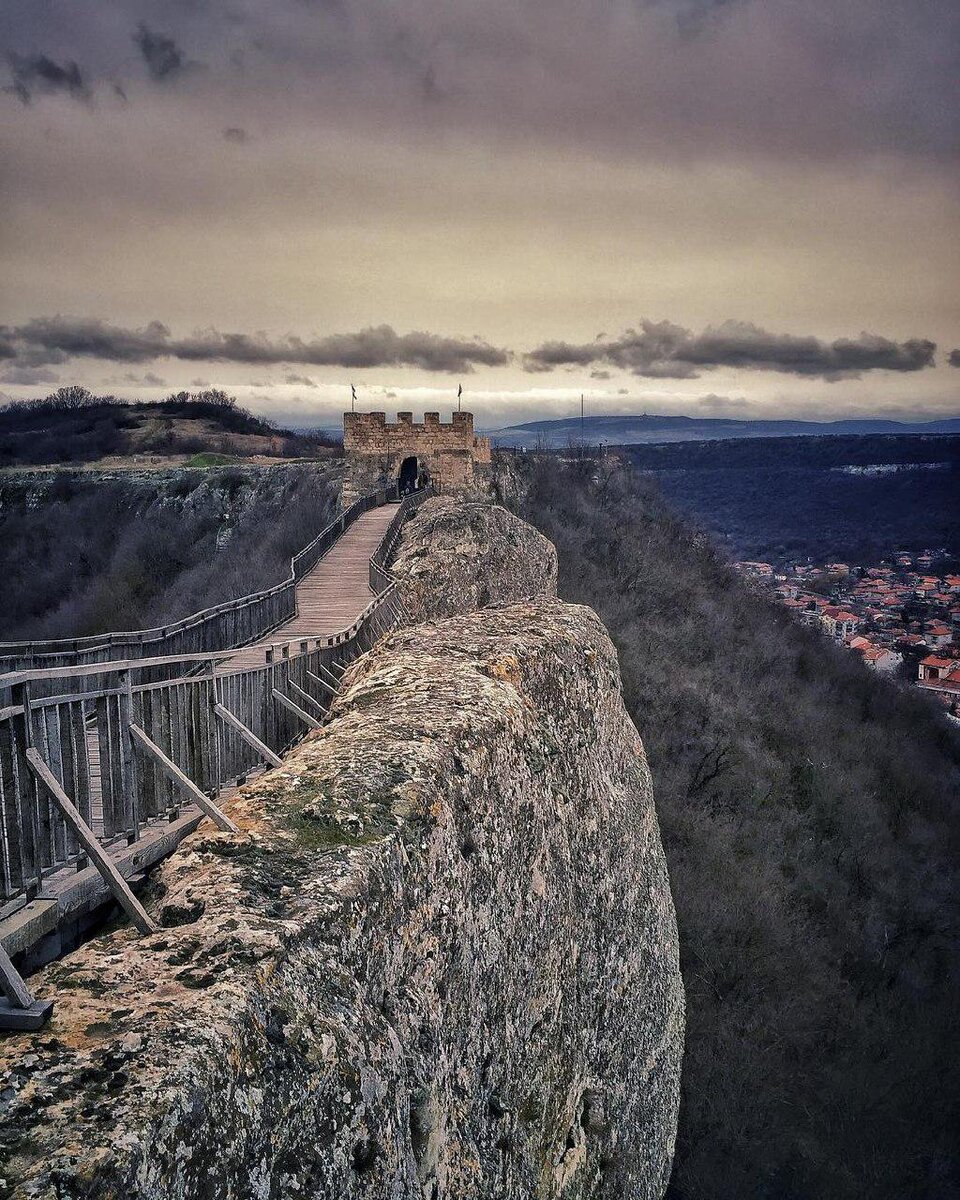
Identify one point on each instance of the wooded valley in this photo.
(809, 815)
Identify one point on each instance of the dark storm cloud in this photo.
(40, 74)
(720, 76)
(655, 350)
(662, 350)
(55, 339)
(163, 56)
(954, 358)
(61, 338)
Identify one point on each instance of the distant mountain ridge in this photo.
(650, 428)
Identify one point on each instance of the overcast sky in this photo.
(717, 207)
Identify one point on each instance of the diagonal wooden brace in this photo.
(172, 771)
(18, 1008)
(295, 709)
(295, 687)
(248, 735)
(94, 851)
(322, 683)
(335, 680)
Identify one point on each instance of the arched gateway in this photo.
(408, 475)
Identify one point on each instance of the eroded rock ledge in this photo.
(440, 961)
(458, 555)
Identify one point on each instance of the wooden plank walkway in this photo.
(331, 596)
(329, 599)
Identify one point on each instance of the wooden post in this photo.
(248, 735)
(173, 772)
(128, 767)
(87, 838)
(32, 861)
(213, 727)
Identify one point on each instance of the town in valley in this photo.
(901, 617)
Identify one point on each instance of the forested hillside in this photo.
(810, 816)
(856, 499)
(82, 554)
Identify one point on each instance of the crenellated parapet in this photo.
(381, 453)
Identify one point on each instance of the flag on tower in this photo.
(459, 394)
(353, 398)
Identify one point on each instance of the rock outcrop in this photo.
(440, 960)
(459, 555)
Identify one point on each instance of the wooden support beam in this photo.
(306, 696)
(248, 735)
(172, 771)
(18, 1008)
(34, 921)
(11, 982)
(88, 839)
(331, 678)
(295, 709)
(108, 668)
(322, 683)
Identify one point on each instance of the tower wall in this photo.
(450, 453)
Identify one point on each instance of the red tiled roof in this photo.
(933, 661)
(942, 685)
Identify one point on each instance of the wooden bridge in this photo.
(112, 754)
(331, 595)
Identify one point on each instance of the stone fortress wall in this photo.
(449, 454)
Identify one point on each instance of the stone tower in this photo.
(378, 454)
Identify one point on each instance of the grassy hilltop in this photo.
(208, 428)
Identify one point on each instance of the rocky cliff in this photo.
(440, 961)
(460, 554)
(90, 551)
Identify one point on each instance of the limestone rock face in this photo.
(459, 555)
(440, 960)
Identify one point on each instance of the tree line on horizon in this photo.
(74, 425)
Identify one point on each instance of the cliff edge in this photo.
(456, 555)
(440, 960)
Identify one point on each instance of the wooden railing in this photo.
(105, 771)
(222, 626)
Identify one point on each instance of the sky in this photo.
(710, 207)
